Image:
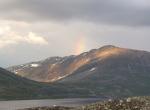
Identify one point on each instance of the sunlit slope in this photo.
(116, 72)
(56, 68)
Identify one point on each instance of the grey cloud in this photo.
(63, 22)
(119, 12)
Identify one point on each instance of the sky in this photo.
(31, 30)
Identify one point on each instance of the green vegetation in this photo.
(14, 87)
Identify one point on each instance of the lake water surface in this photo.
(20, 104)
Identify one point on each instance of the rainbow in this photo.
(80, 45)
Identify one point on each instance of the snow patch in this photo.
(92, 69)
(53, 65)
(15, 72)
(21, 65)
(57, 59)
(34, 65)
(25, 66)
(63, 61)
(87, 59)
(58, 78)
(84, 54)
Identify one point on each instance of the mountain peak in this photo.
(103, 48)
(107, 47)
(109, 50)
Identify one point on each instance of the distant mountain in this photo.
(96, 60)
(48, 70)
(105, 72)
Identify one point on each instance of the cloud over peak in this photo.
(57, 26)
(121, 12)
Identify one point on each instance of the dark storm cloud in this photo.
(119, 12)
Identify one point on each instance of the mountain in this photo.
(48, 70)
(106, 72)
(115, 72)
(13, 87)
(56, 68)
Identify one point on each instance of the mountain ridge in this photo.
(107, 72)
(56, 68)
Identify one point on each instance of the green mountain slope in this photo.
(14, 87)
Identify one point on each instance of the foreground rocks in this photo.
(135, 103)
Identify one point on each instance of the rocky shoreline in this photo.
(135, 103)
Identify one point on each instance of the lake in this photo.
(20, 104)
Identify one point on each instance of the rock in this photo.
(134, 103)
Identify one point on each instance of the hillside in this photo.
(116, 72)
(56, 68)
(107, 72)
(48, 70)
(13, 87)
